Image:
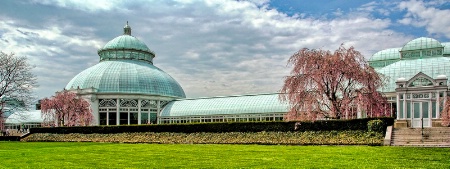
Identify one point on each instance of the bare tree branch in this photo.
(16, 83)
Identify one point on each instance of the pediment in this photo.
(420, 80)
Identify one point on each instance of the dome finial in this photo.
(127, 29)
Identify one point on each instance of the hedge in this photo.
(355, 137)
(280, 126)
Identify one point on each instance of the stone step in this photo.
(424, 141)
(432, 137)
(422, 145)
(420, 136)
(410, 132)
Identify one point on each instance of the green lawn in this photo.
(115, 155)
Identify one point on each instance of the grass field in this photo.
(114, 155)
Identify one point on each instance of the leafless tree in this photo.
(16, 84)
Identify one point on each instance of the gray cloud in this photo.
(210, 47)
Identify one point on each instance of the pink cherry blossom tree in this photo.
(66, 109)
(325, 84)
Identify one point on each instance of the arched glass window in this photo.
(421, 81)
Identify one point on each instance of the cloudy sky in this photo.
(211, 47)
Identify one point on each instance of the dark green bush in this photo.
(280, 126)
(376, 125)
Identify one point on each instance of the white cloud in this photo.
(211, 47)
(423, 14)
(86, 5)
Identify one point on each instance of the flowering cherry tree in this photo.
(325, 84)
(67, 109)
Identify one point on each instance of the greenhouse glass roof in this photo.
(446, 48)
(387, 54)
(408, 68)
(424, 55)
(227, 105)
(127, 76)
(422, 43)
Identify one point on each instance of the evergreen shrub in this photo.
(278, 126)
(376, 125)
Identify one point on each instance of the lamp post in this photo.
(421, 122)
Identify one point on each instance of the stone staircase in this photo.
(431, 137)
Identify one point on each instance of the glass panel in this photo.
(134, 118)
(123, 118)
(102, 118)
(144, 118)
(153, 118)
(433, 107)
(425, 109)
(408, 110)
(416, 110)
(400, 113)
(112, 118)
(394, 110)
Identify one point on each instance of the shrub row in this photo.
(326, 125)
(355, 137)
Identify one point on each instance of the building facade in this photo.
(416, 80)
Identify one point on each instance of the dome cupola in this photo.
(126, 47)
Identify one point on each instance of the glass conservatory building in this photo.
(417, 83)
(125, 88)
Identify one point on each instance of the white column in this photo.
(398, 105)
(158, 111)
(118, 111)
(358, 112)
(438, 103)
(139, 111)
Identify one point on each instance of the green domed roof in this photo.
(127, 76)
(126, 67)
(422, 43)
(126, 47)
(387, 54)
(126, 42)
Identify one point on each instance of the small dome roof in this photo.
(422, 43)
(441, 77)
(401, 79)
(126, 42)
(126, 47)
(127, 76)
(387, 54)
